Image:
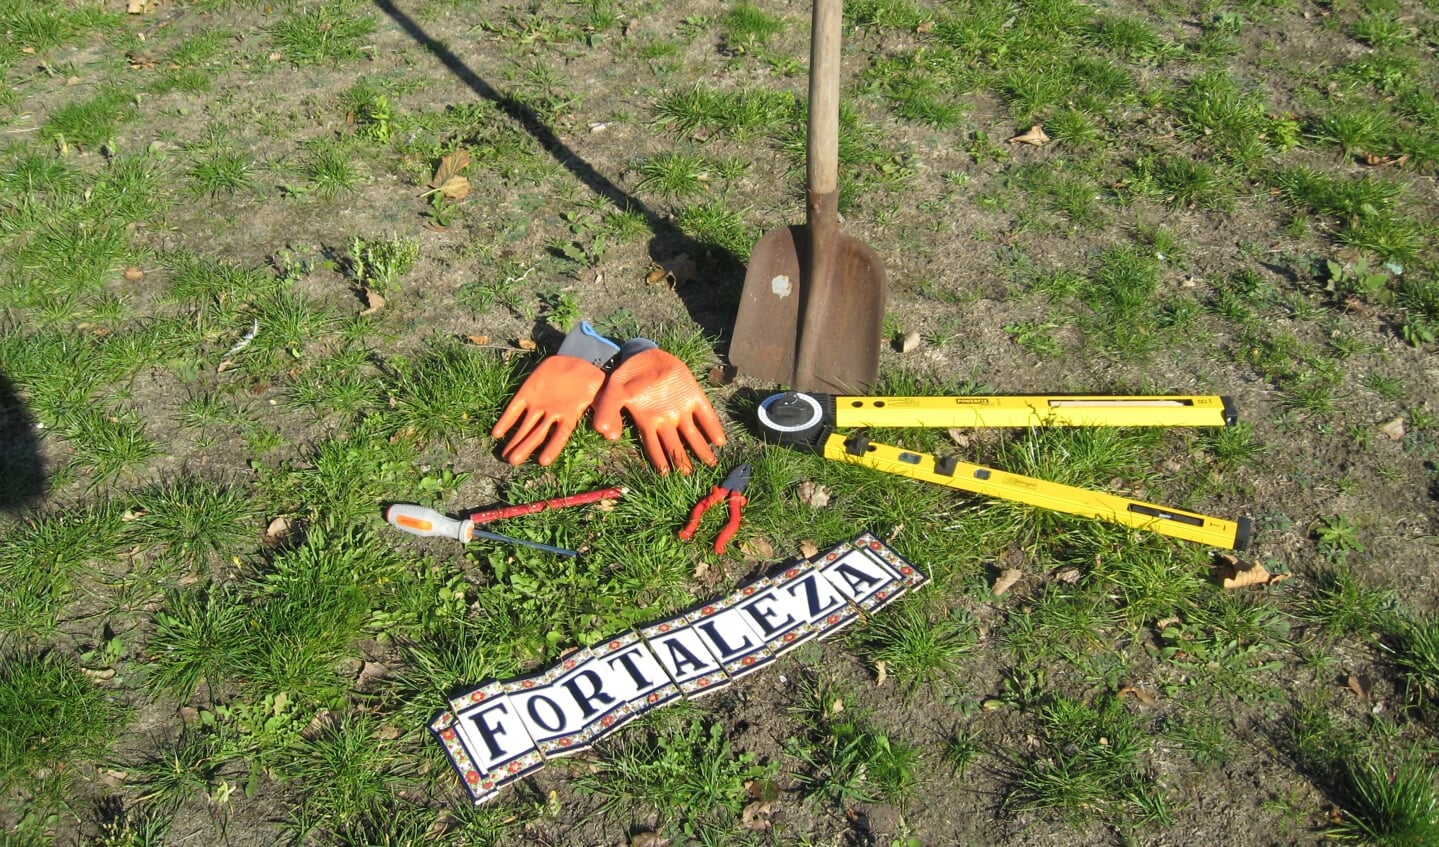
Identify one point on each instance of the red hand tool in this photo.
(733, 488)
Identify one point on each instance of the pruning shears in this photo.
(733, 489)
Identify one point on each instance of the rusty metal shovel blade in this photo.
(813, 299)
(843, 313)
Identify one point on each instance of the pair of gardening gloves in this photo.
(667, 405)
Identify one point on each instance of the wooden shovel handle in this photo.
(823, 148)
(822, 206)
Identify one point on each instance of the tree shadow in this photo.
(710, 304)
(22, 472)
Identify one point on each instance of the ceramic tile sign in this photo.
(504, 730)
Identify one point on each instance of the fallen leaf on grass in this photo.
(808, 549)
(527, 344)
(373, 303)
(757, 548)
(279, 531)
(1006, 581)
(702, 569)
(1235, 573)
(1068, 576)
(369, 672)
(1035, 137)
(959, 436)
(881, 672)
(139, 7)
(134, 274)
(648, 839)
(447, 180)
(751, 818)
(1394, 429)
(673, 272)
(813, 494)
(1385, 161)
(1360, 685)
(1138, 693)
(478, 340)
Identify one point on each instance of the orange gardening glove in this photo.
(554, 397)
(668, 407)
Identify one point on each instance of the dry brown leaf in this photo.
(1035, 137)
(756, 548)
(1138, 693)
(808, 549)
(1385, 161)
(450, 166)
(388, 732)
(527, 344)
(1394, 429)
(881, 672)
(1360, 685)
(100, 675)
(369, 672)
(455, 188)
(1007, 580)
(813, 494)
(1068, 576)
(139, 7)
(702, 569)
(134, 274)
(1235, 573)
(278, 532)
(751, 818)
(373, 303)
(894, 532)
(837, 706)
(673, 272)
(722, 375)
(648, 839)
(478, 340)
(959, 436)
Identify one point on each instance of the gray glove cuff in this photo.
(584, 343)
(634, 346)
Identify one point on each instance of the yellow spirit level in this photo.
(810, 420)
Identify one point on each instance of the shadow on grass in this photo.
(711, 306)
(22, 472)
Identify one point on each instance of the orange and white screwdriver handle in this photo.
(418, 520)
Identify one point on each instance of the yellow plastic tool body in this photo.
(1037, 410)
(950, 472)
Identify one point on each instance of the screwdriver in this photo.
(418, 520)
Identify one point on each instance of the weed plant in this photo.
(845, 759)
(56, 720)
(1092, 766)
(679, 765)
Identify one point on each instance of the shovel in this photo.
(813, 299)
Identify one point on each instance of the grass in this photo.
(1091, 767)
(194, 201)
(55, 715)
(681, 765)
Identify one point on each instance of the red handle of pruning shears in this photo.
(733, 487)
(501, 512)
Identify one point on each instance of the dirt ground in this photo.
(957, 278)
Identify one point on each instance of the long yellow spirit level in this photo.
(809, 421)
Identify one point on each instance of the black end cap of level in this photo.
(1243, 534)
